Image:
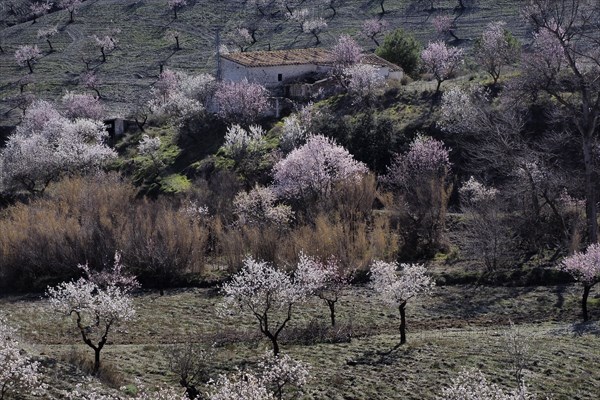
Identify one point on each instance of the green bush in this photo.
(401, 48)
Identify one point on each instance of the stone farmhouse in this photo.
(294, 73)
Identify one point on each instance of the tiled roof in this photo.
(296, 57)
(374, 59)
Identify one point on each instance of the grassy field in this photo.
(457, 327)
(134, 66)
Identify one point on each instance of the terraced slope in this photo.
(143, 48)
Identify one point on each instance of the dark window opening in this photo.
(279, 77)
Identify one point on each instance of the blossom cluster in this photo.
(18, 373)
(259, 207)
(241, 102)
(584, 266)
(395, 289)
(315, 168)
(426, 157)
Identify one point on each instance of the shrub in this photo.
(83, 220)
(401, 48)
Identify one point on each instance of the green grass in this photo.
(457, 327)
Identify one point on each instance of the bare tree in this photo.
(565, 64)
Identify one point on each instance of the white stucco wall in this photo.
(267, 76)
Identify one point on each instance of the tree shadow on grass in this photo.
(382, 357)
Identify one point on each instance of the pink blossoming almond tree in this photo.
(239, 386)
(441, 61)
(71, 6)
(398, 290)
(277, 372)
(241, 102)
(374, 27)
(313, 170)
(445, 25)
(363, 81)
(585, 267)
(106, 43)
(47, 146)
(346, 52)
(419, 179)
(39, 8)
(258, 207)
(27, 55)
(265, 382)
(314, 26)
(82, 105)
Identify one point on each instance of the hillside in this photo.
(142, 47)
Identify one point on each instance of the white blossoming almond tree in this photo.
(473, 385)
(240, 386)
(97, 303)
(585, 267)
(47, 146)
(106, 43)
(265, 292)
(176, 5)
(18, 373)
(280, 371)
(265, 382)
(325, 280)
(92, 391)
(71, 6)
(259, 207)
(398, 290)
(47, 33)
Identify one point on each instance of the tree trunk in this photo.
(584, 299)
(50, 44)
(382, 9)
(103, 54)
(29, 65)
(71, 16)
(331, 305)
(316, 37)
(591, 210)
(275, 344)
(175, 12)
(451, 33)
(96, 360)
(402, 323)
